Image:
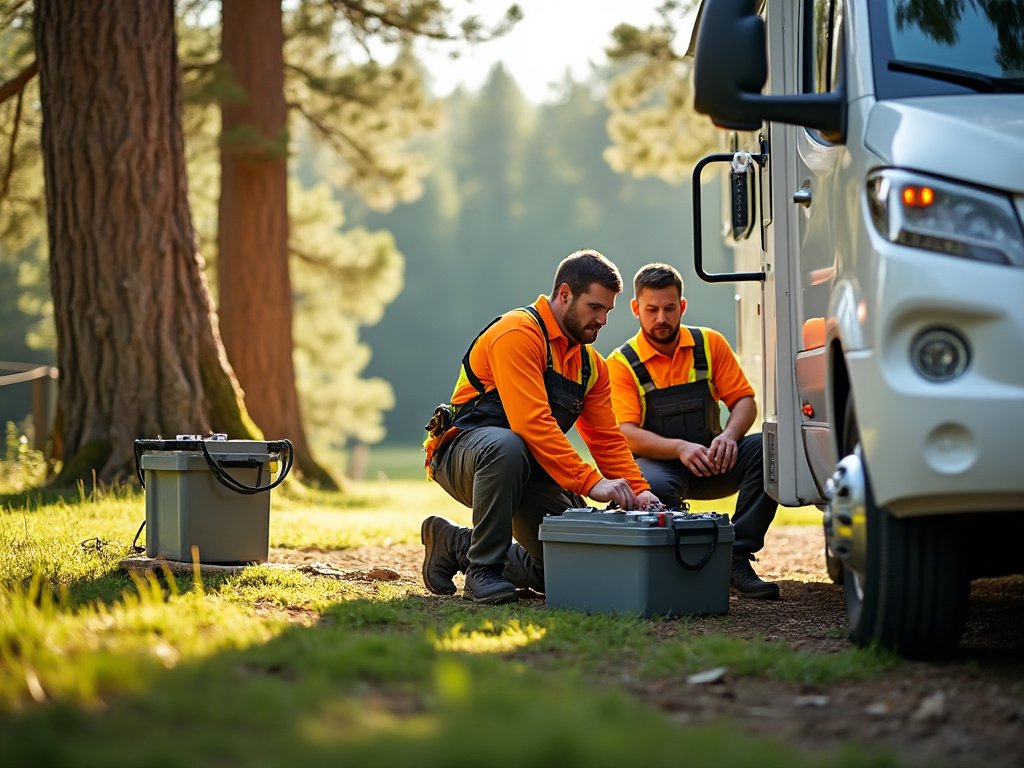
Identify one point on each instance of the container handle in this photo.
(707, 555)
(217, 467)
(160, 444)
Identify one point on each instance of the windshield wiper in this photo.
(974, 80)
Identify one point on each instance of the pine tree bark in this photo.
(254, 284)
(137, 340)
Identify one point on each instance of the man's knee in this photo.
(665, 483)
(749, 451)
(506, 451)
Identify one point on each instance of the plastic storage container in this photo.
(641, 563)
(210, 494)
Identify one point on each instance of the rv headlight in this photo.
(936, 215)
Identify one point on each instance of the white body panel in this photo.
(835, 286)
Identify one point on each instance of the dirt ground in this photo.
(965, 711)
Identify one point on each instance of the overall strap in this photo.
(530, 309)
(701, 368)
(544, 332)
(639, 369)
(584, 348)
(473, 378)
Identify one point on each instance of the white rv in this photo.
(876, 165)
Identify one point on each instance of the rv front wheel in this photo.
(904, 581)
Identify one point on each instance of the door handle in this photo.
(803, 195)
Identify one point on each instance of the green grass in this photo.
(271, 667)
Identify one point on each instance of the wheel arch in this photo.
(838, 395)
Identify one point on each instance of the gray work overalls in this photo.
(683, 411)
(690, 412)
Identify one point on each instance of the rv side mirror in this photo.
(731, 68)
(730, 62)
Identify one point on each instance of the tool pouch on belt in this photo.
(441, 420)
(439, 425)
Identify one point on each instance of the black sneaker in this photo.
(445, 545)
(746, 583)
(485, 584)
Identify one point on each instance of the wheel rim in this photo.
(846, 514)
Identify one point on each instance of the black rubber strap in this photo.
(707, 555)
(217, 467)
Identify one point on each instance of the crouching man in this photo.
(500, 446)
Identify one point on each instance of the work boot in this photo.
(446, 545)
(485, 584)
(746, 583)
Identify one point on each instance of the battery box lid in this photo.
(185, 454)
(639, 528)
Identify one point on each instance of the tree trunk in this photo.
(137, 340)
(254, 284)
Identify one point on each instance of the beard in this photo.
(578, 332)
(662, 334)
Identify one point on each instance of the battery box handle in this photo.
(279, 448)
(217, 466)
(678, 531)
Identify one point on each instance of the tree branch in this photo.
(13, 10)
(9, 170)
(345, 273)
(333, 136)
(359, 15)
(16, 84)
(310, 80)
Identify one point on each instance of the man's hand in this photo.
(613, 490)
(723, 453)
(696, 458)
(646, 499)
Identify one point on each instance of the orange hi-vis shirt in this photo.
(511, 355)
(728, 383)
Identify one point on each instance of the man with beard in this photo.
(500, 447)
(667, 382)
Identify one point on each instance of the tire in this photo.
(912, 595)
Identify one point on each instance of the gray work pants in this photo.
(673, 483)
(491, 470)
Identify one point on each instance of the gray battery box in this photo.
(210, 494)
(660, 563)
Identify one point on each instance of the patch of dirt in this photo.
(965, 711)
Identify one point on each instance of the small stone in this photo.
(382, 574)
(877, 709)
(932, 708)
(707, 677)
(811, 700)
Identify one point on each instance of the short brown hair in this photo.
(657, 276)
(581, 269)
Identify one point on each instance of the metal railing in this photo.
(41, 377)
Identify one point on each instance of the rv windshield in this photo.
(950, 46)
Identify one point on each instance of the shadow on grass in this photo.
(371, 683)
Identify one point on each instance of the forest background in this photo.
(391, 282)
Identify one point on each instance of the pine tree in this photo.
(365, 113)
(653, 127)
(137, 339)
